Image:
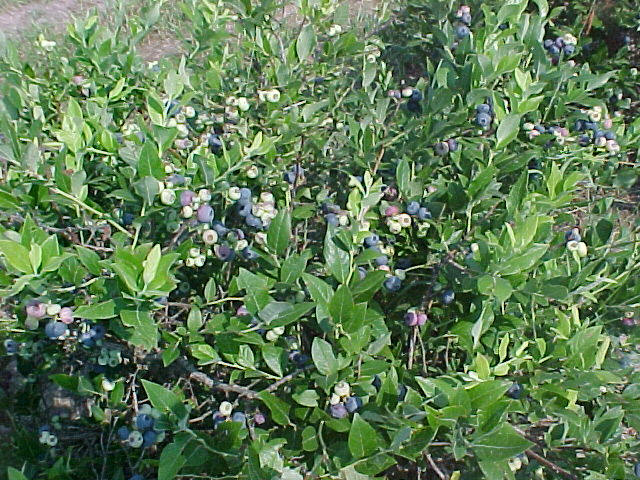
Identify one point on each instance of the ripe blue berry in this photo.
(402, 392)
(224, 253)
(44, 428)
(559, 42)
(137, 476)
(176, 179)
(97, 332)
(466, 18)
(393, 284)
(332, 219)
(123, 433)
(173, 107)
(187, 197)
(353, 404)
(144, 421)
(569, 50)
(584, 140)
(515, 391)
(462, 31)
(244, 209)
(547, 43)
(414, 106)
(636, 469)
(149, 438)
(441, 148)
(205, 213)
(573, 235)
(371, 241)
(253, 221)
(377, 383)
(218, 418)
(55, 329)
(289, 177)
(609, 135)
(338, 410)
(416, 95)
(127, 219)
(249, 254)
(554, 50)
(413, 208)
(578, 126)
(219, 228)
(424, 213)
(245, 194)
(11, 346)
(382, 260)
(239, 417)
(215, 144)
(87, 340)
(483, 108)
(448, 296)
(483, 120)
(453, 144)
(362, 273)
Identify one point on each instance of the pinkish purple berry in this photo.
(411, 319)
(242, 311)
(187, 197)
(37, 310)
(392, 210)
(422, 319)
(259, 419)
(628, 322)
(66, 315)
(205, 213)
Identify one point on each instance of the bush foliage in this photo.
(312, 247)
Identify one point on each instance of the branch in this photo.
(548, 463)
(435, 468)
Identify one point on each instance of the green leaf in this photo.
(501, 443)
(17, 255)
(279, 232)
(172, 458)
(305, 42)
(522, 262)
(507, 130)
(403, 177)
(278, 408)
(293, 267)
(341, 305)
(143, 330)
(323, 356)
(96, 311)
(147, 188)
(338, 261)
(13, 474)
(89, 259)
(151, 264)
(495, 286)
(308, 398)
(319, 290)
(149, 163)
(164, 399)
(363, 439)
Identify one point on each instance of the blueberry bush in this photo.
(316, 246)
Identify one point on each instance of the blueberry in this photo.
(11, 346)
(609, 135)
(593, 126)
(441, 148)
(329, 208)
(137, 476)
(225, 253)
(55, 329)
(411, 319)
(44, 428)
(249, 254)
(377, 383)
(176, 179)
(239, 417)
(253, 221)
(503, 26)
(205, 213)
(353, 404)
(448, 296)
(97, 332)
(332, 219)
(559, 42)
(290, 177)
(636, 469)
(187, 197)
(483, 108)
(554, 50)
(362, 273)
(462, 31)
(416, 95)
(382, 260)
(371, 241)
(453, 144)
(149, 438)
(598, 133)
(584, 140)
(515, 391)
(483, 120)
(540, 128)
(404, 263)
(245, 194)
(259, 418)
(244, 210)
(338, 410)
(413, 106)
(87, 340)
(466, 18)
(569, 50)
(393, 284)
(573, 235)
(402, 392)
(144, 421)
(547, 43)
(219, 228)
(413, 208)
(215, 144)
(123, 433)
(218, 418)
(424, 213)
(626, 40)
(578, 126)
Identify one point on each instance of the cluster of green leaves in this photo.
(88, 138)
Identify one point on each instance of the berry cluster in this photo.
(415, 318)
(574, 242)
(443, 148)
(484, 115)
(463, 14)
(565, 45)
(342, 402)
(225, 413)
(144, 431)
(46, 437)
(413, 96)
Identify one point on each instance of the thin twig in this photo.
(435, 467)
